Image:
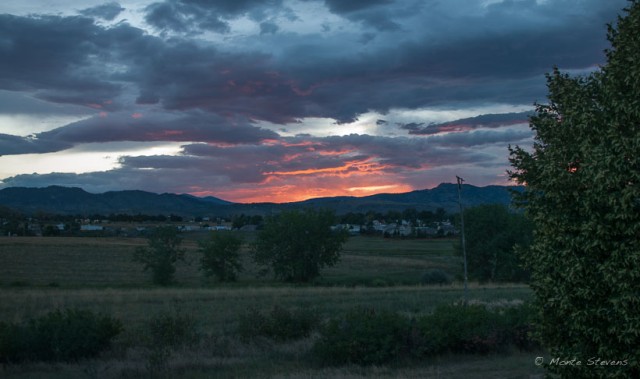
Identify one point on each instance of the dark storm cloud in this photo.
(212, 92)
(73, 60)
(268, 27)
(196, 126)
(401, 152)
(482, 121)
(108, 11)
(342, 7)
(54, 57)
(194, 16)
(16, 103)
(482, 137)
(13, 145)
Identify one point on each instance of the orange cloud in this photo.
(349, 168)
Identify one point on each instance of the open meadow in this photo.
(38, 275)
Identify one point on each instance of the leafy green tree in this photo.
(161, 255)
(220, 256)
(583, 194)
(297, 244)
(492, 234)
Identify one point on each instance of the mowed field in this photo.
(39, 274)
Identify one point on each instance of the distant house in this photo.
(378, 226)
(394, 229)
(447, 229)
(91, 228)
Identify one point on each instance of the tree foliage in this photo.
(583, 194)
(297, 244)
(161, 255)
(220, 256)
(493, 234)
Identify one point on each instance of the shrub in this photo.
(435, 276)
(518, 327)
(280, 324)
(58, 336)
(172, 331)
(161, 255)
(476, 329)
(363, 336)
(461, 329)
(296, 245)
(220, 256)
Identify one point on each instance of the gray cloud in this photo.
(379, 56)
(194, 17)
(89, 64)
(196, 126)
(12, 145)
(108, 11)
(470, 123)
(345, 7)
(54, 57)
(482, 137)
(268, 27)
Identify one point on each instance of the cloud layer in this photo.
(227, 78)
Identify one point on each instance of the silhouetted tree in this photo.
(297, 244)
(221, 256)
(583, 194)
(161, 255)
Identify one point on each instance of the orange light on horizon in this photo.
(388, 188)
(279, 192)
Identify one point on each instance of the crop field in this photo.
(38, 275)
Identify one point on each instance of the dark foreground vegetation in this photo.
(583, 196)
(256, 326)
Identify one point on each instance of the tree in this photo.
(221, 256)
(161, 255)
(297, 244)
(492, 235)
(583, 195)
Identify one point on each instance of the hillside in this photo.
(64, 200)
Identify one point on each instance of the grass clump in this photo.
(435, 276)
(66, 335)
(172, 331)
(280, 324)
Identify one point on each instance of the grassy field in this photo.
(41, 274)
(107, 262)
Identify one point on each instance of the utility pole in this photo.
(464, 248)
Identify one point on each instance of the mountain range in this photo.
(72, 200)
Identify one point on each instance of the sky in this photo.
(280, 100)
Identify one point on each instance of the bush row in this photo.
(58, 336)
(366, 336)
(362, 336)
